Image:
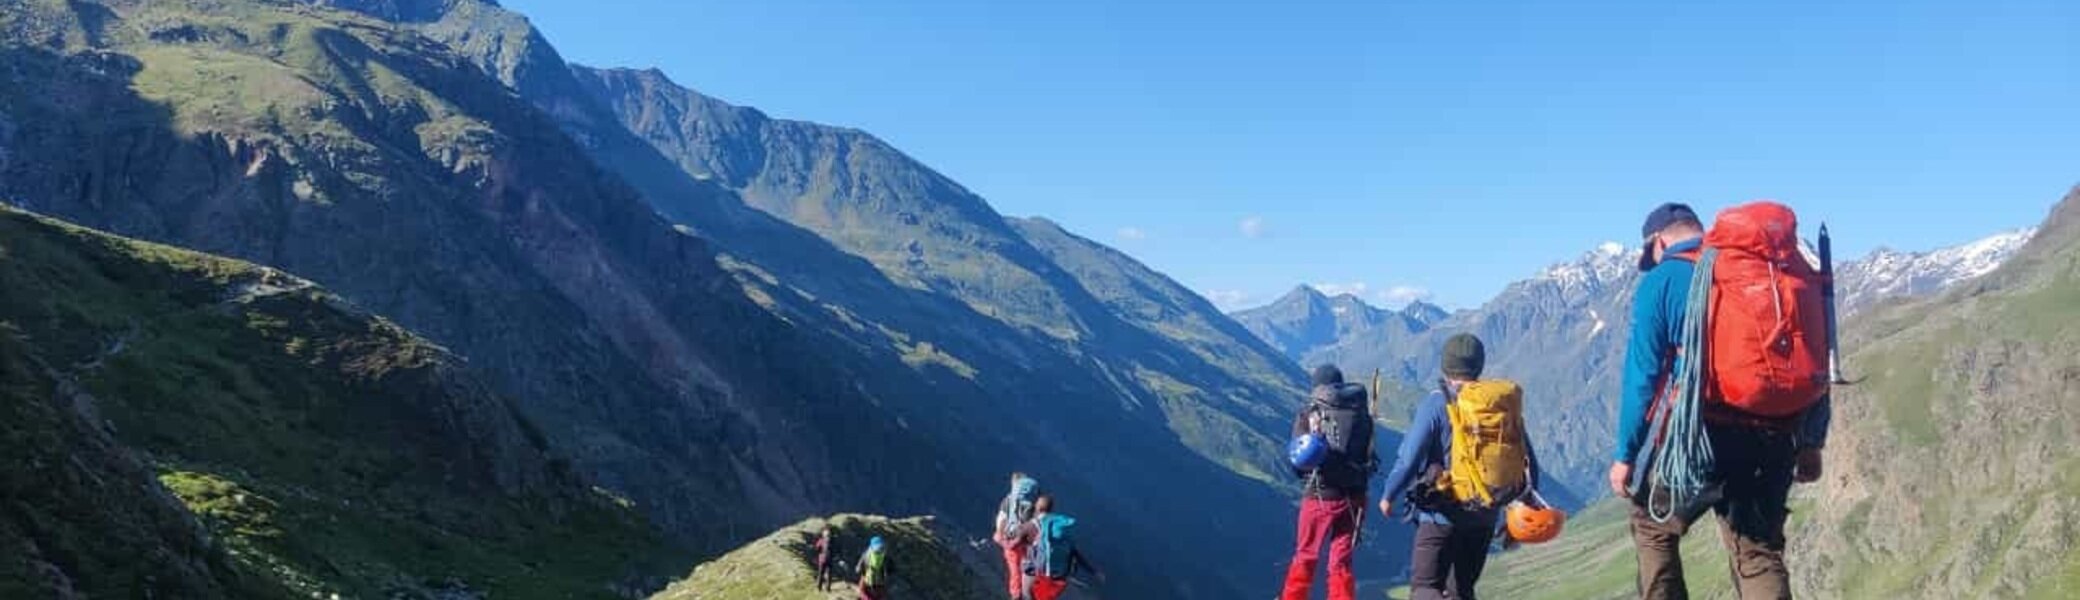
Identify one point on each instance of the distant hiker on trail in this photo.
(1466, 457)
(873, 571)
(1051, 552)
(1761, 402)
(1014, 515)
(823, 560)
(1332, 452)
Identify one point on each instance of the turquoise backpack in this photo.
(1052, 546)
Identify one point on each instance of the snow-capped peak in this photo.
(1886, 272)
(1607, 262)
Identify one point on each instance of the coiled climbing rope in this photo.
(1685, 461)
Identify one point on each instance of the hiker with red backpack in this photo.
(1332, 453)
(1466, 456)
(1014, 515)
(1725, 391)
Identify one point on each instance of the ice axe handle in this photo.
(1827, 292)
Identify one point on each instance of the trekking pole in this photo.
(1834, 345)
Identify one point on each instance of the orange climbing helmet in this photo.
(1534, 524)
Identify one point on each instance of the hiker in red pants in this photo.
(1337, 424)
(1014, 516)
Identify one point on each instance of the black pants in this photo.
(1754, 473)
(823, 575)
(1449, 558)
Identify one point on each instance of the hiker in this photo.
(823, 560)
(1756, 457)
(873, 571)
(1051, 552)
(1014, 514)
(1333, 505)
(1465, 457)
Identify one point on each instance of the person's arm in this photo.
(1300, 429)
(1646, 350)
(1415, 446)
(1076, 556)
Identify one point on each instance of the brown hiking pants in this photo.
(1755, 474)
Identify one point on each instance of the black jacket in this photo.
(1346, 423)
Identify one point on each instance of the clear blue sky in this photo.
(1452, 146)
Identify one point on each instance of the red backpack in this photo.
(1767, 323)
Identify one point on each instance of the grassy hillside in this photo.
(926, 562)
(322, 449)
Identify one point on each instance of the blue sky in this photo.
(1448, 146)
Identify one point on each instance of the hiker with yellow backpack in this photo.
(1466, 459)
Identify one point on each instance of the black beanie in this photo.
(1464, 356)
(1327, 375)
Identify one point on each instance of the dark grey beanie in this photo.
(1464, 356)
(1327, 375)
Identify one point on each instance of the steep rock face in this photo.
(364, 157)
(1984, 375)
(322, 449)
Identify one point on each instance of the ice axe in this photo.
(1834, 344)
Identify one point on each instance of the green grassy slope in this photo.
(323, 449)
(926, 563)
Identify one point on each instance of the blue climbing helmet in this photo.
(874, 544)
(1307, 451)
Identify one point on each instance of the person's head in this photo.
(1044, 504)
(874, 545)
(1668, 225)
(1464, 357)
(1328, 375)
(1017, 475)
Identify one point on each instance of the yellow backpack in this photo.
(1488, 466)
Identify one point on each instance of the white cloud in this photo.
(1356, 288)
(1228, 299)
(1132, 233)
(1400, 295)
(1253, 227)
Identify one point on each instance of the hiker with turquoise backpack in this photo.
(1465, 458)
(1014, 515)
(1726, 398)
(874, 571)
(1331, 453)
(1052, 556)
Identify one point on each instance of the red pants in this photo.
(1014, 578)
(1333, 521)
(1048, 588)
